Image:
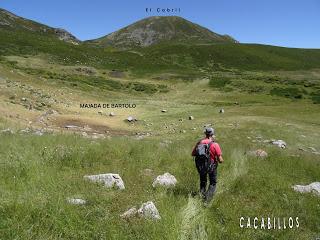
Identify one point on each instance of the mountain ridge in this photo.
(9, 20)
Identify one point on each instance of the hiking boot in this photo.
(210, 193)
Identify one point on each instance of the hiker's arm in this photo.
(194, 149)
(218, 152)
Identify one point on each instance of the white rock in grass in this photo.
(258, 153)
(312, 149)
(148, 210)
(311, 188)
(8, 130)
(166, 180)
(76, 201)
(109, 180)
(132, 212)
(131, 119)
(280, 143)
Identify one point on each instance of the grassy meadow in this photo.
(266, 92)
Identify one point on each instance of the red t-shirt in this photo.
(215, 150)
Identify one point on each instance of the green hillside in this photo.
(12, 22)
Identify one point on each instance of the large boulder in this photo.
(311, 188)
(166, 180)
(109, 180)
(280, 143)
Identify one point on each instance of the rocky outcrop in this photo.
(66, 36)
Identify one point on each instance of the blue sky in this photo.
(290, 23)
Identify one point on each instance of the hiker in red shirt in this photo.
(207, 155)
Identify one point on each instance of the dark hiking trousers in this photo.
(207, 169)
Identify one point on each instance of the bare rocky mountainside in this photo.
(153, 30)
(11, 22)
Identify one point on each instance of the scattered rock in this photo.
(109, 180)
(38, 132)
(149, 210)
(164, 110)
(100, 112)
(221, 110)
(166, 180)
(312, 149)
(50, 112)
(8, 130)
(84, 134)
(76, 201)
(71, 126)
(132, 212)
(191, 118)
(258, 153)
(86, 70)
(23, 99)
(131, 119)
(311, 188)
(280, 143)
(183, 131)
(112, 114)
(26, 130)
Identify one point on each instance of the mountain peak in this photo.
(156, 29)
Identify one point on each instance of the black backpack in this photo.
(203, 153)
